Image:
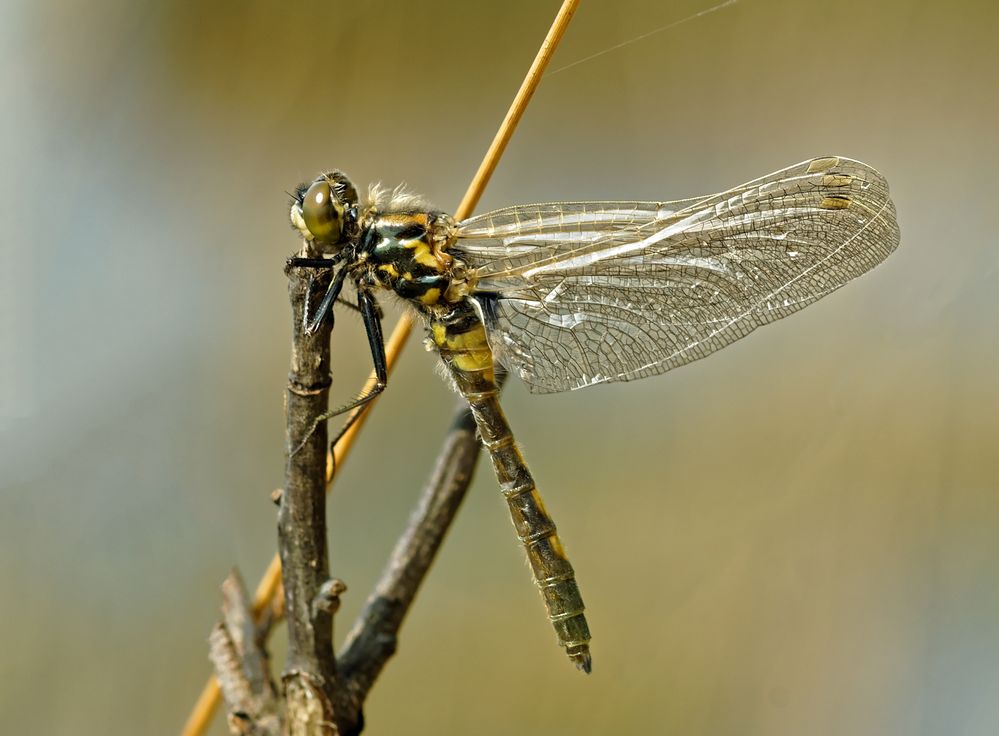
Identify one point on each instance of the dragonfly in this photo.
(567, 295)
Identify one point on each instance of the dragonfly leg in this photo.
(296, 262)
(371, 314)
(323, 263)
(357, 307)
(376, 341)
(332, 293)
(325, 306)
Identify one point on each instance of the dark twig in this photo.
(372, 639)
(237, 651)
(310, 672)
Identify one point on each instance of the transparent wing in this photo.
(579, 293)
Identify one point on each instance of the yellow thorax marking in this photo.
(423, 248)
(423, 255)
(431, 296)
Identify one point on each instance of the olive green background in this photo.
(799, 535)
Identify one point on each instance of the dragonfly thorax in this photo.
(407, 253)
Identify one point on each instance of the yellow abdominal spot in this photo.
(556, 546)
(474, 339)
(470, 350)
(536, 498)
(479, 360)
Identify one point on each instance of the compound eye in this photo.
(323, 213)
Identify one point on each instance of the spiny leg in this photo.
(296, 262)
(332, 292)
(325, 306)
(357, 307)
(341, 299)
(371, 315)
(376, 341)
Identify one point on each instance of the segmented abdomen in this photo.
(461, 341)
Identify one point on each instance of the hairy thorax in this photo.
(406, 252)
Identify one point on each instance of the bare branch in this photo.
(245, 634)
(241, 664)
(310, 672)
(372, 639)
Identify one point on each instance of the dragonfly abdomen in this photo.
(536, 530)
(461, 341)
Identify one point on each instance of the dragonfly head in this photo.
(325, 211)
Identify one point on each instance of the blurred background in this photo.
(798, 535)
